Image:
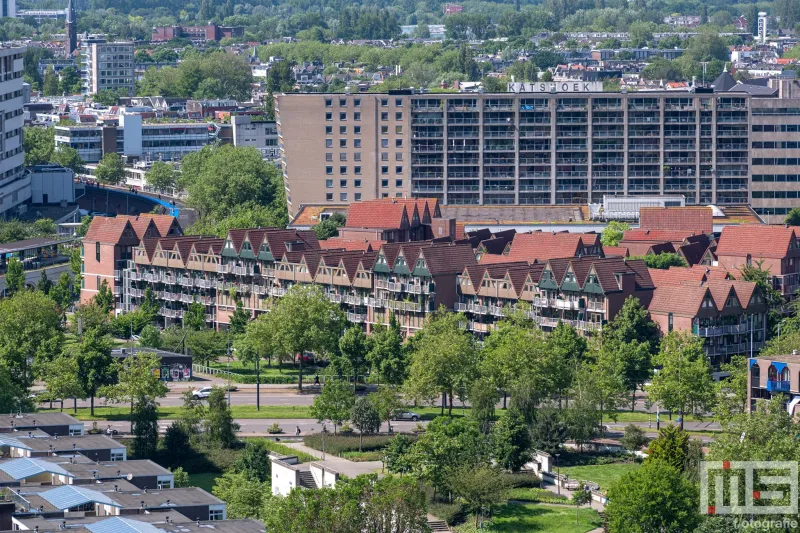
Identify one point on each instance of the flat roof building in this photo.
(51, 423)
(107, 66)
(560, 144)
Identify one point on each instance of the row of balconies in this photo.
(248, 270)
(730, 329)
(412, 288)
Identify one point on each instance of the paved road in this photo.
(259, 426)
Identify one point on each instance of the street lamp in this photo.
(558, 475)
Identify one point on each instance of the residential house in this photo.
(772, 375)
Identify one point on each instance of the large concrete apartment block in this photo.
(537, 148)
(107, 66)
(15, 185)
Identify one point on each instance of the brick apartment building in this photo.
(210, 32)
(771, 375)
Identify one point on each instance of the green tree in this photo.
(761, 276)
(387, 356)
(104, 298)
(512, 440)
(546, 76)
(444, 359)
(181, 478)
(731, 392)
(683, 383)
(63, 292)
(549, 431)
(68, 157)
(335, 403)
(205, 345)
(89, 316)
(579, 498)
(15, 277)
(50, 85)
(70, 81)
(161, 176)
(110, 170)
(481, 488)
(244, 495)
(62, 381)
(653, 498)
(447, 445)
(150, 337)
(634, 438)
(144, 422)
(96, 368)
(386, 402)
(483, 397)
(254, 461)
(176, 444)
(239, 317)
(219, 425)
(613, 233)
(352, 358)
(303, 321)
(398, 454)
(330, 226)
(136, 381)
(107, 97)
(30, 335)
(662, 261)
(75, 259)
(194, 318)
(671, 447)
(365, 418)
(793, 218)
(39, 144)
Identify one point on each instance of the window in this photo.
(343, 170)
(97, 255)
(216, 514)
(357, 196)
(398, 156)
(162, 484)
(328, 116)
(357, 102)
(342, 143)
(356, 143)
(384, 102)
(384, 116)
(329, 184)
(398, 102)
(342, 196)
(342, 130)
(343, 183)
(328, 143)
(384, 130)
(357, 156)
(384, 183)
(398, 130)
(384, 143)
(328, 196)
(357, 172)
(329, 157)
(384, 170)
(117, 456)
(669, 322)
(398, 143)
(384, 156)
(328, 102)
(357, 183)
(357, 130)
(329, 170)
(384, 195)
(357, 116)
(328, 130)
(343, 156)
(398, 115)
(342, 102)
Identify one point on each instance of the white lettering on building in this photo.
(556, 87)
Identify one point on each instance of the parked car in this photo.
(308, 358)
(406, 415)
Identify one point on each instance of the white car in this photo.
(201, 394)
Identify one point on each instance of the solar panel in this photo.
(122, 525)
(69, 496)
(13, 443)
(24, 468)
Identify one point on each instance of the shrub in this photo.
(274, 429)
(451, 513)
(339, 444)
(522, 480)
(536, 495)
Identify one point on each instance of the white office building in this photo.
(261, 134)
(107, 66)
(15, 185)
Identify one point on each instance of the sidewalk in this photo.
(342, 466)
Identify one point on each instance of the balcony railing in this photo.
(778, 385)
(356, 318)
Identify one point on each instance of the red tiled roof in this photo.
(655, 235)
(542, 246)
(676, 275)
(378, 214)
(351, 244)
(111, 230)
(758, 241)
(620, 251)
(693, 219)
(141, 224)
(431, 204)
(683, 300)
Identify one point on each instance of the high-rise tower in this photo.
(71, 27)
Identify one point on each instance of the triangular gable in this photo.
(401, 265)
(264, 251)
(593, 283)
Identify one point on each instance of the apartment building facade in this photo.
(769, 376)
(15, 184)
(533, 148)
(107, 66)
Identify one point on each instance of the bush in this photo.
(339, 444)
(522, 480)
(536, 495)
(451, 513)
(274, 429)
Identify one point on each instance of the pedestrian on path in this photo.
(297, 432)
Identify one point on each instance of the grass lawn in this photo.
(529, 518)
(533, 494)
(643, 416)
(241, 368)
(604, 475)
(363, 456)
(204, 480)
